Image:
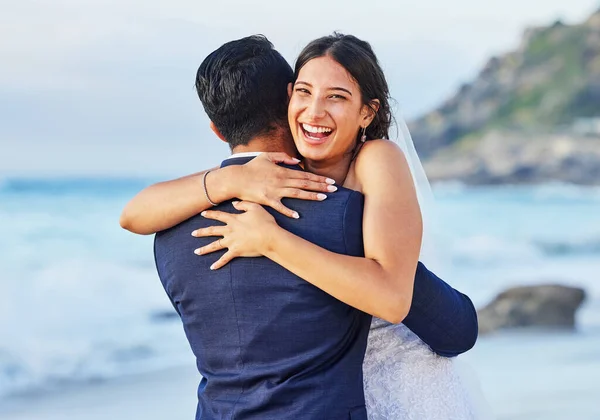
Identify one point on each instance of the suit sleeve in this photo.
(441, 316)
(159, 262)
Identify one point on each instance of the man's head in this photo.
(243, 88)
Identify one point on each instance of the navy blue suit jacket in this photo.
(268, 344)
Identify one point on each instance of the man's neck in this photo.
(267, 144)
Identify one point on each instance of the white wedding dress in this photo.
(405, 380)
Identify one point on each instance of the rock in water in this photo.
(532, 306)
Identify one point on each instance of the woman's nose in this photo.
(316, 109)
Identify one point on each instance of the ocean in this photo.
(81, 301)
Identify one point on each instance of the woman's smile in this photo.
(316, 134)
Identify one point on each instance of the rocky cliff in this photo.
(531, 115)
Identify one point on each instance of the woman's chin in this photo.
(312, 153)
(314, 149)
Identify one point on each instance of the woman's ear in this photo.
(375, 105)
(289, 88)
(369, 111)
(215, 130)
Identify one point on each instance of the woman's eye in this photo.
(302, 90)
(337, 97)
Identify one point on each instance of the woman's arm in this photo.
(261, 180)
(381, 283)
(163, 205)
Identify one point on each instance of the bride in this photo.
(340, 118)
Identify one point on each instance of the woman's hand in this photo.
(264, 182)
(244, 235)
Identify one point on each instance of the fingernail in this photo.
(198, 251)
(295, 215)
(330, 181)
(194, 233)
(331, 188)
(212, 267)
(235, 203)
(321, 197)
(296, 160)
(203, 214)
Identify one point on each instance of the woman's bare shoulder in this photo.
(375, 159)
(379, 155)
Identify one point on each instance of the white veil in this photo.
(431, 235)
(434, 260)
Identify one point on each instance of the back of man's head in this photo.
(243, 88)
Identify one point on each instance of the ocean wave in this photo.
(486, 250)
(563, 190)
(551, 191)
(491, 250)
(50, 370)
(570, 248)
(64, 186)
(449, 187)
(90, 318)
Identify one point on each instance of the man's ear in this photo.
(290, 86)
(215, 130)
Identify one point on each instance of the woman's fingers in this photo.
(303, 195)
(210, 231)
(308, 185)
(224, 260)
(245, 205)
(212, 247)
(216, 246)
(308, 176)
(279, 207)
(221, 216)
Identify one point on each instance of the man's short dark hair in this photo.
(243, 88)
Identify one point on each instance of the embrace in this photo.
(294, 266)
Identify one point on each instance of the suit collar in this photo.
(236, 159)
(245, 154)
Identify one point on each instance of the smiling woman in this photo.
(326, 110)
(339, 95)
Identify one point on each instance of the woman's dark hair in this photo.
(358, 58)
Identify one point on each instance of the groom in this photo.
(268, 344)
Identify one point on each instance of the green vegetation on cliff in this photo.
(547, 84)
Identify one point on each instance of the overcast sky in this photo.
(106, 86)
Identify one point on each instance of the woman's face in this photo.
(326, 110)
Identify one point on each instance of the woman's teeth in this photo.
(316, 131)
